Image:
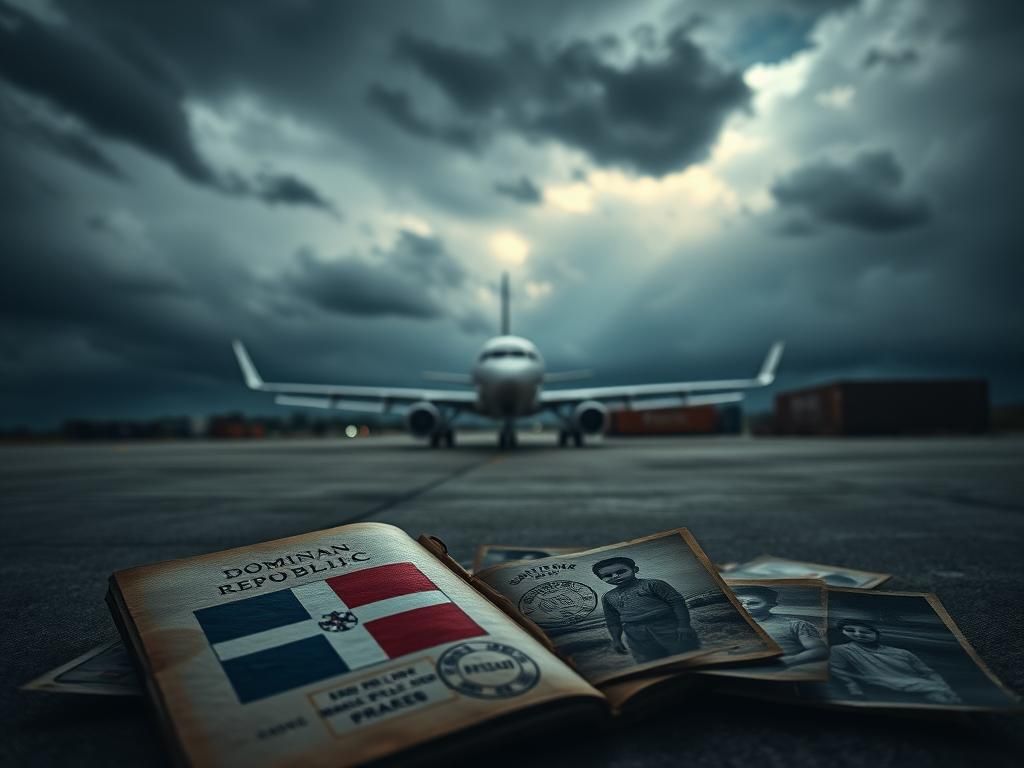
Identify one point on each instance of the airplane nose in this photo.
(509, 386)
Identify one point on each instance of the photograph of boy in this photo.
(650, 613)
(866, 667)
(800, 640)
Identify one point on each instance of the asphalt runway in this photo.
(943, 515)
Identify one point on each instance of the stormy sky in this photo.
(672, 185)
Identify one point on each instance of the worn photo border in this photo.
(483, 549)
(876, 577)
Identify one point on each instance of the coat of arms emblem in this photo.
(338, 621)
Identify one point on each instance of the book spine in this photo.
(130, 637)
(439, 551)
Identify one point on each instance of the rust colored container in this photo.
(699, 420)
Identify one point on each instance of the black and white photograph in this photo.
(902, 649)
(496, 554)
(771, 567)
(794, 613)
(634, 606)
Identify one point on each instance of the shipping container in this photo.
(696, 420)
(898, 407)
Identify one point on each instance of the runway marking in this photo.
(415, 492)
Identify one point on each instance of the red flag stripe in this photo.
(422, 628)
(380, 583)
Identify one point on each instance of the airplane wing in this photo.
(670, 393)
(342, 396)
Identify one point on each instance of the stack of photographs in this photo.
(886, 650)
(842, 643)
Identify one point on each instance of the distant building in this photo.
(898, 407)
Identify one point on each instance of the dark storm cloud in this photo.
(111, 94)
(522, 190)
(121, 91)
(67, 142)
(410, 280)
(79, 149)
(94, 325)
(760, 32)
(895, 59)
(656, 115)
(1000, 21)
(277, 189)
(290, 190)
(356, 287)
(397, 106)
(863, 195)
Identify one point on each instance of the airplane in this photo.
(507, 381)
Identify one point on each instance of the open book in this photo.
(357, 643)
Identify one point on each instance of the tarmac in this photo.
(944, 515)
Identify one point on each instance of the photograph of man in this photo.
(650, 613)
(800, 640)
(865, 667)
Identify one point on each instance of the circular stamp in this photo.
(558, 603)
(487, 670)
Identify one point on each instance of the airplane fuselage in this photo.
(507, 376)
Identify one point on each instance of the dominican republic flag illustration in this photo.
(282, 640)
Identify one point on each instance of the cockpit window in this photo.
(497, 353)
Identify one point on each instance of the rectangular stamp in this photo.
(381, 696)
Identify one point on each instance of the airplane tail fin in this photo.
(253, 380)
(771, 362)
(506, 323)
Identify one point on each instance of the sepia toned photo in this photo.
(488, 555)
(902, 649)
(794, 613)
(771, 567)
(630, 607)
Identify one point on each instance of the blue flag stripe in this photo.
(280, 669)
(249, 616)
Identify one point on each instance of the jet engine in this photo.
(590, 417)
(424, 419)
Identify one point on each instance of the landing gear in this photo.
(507, 437)
(445, 437)
(565, 435)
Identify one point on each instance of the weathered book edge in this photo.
(153, 695)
